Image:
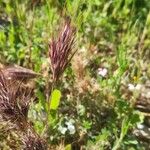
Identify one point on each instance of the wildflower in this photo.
(102, 72)
(140, 126)
(138, 87)
(83, 49)
(60, 50)
(81, 110)
(70, 127)
(62, 129)
(132, 87)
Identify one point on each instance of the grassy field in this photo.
(84, 80)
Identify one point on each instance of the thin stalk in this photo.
(49, 95)
(118, 142)
(49, 100)
(124, 129)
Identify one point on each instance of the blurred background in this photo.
(105, 90)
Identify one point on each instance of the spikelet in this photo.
(18, 73)
(4, 94)
(14, 106)
(61, 50)
(31, 142)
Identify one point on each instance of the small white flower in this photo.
(70, 127)
(131, 87)
(81, 109)
(62, 129)
(138, 87)
(140, 126)
(83, 49)
(68, 123)
(148, 94)
(102, 72)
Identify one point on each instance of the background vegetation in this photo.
(106, 81)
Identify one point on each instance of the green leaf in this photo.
(68, 147)
(55, 99)
(135, 118)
